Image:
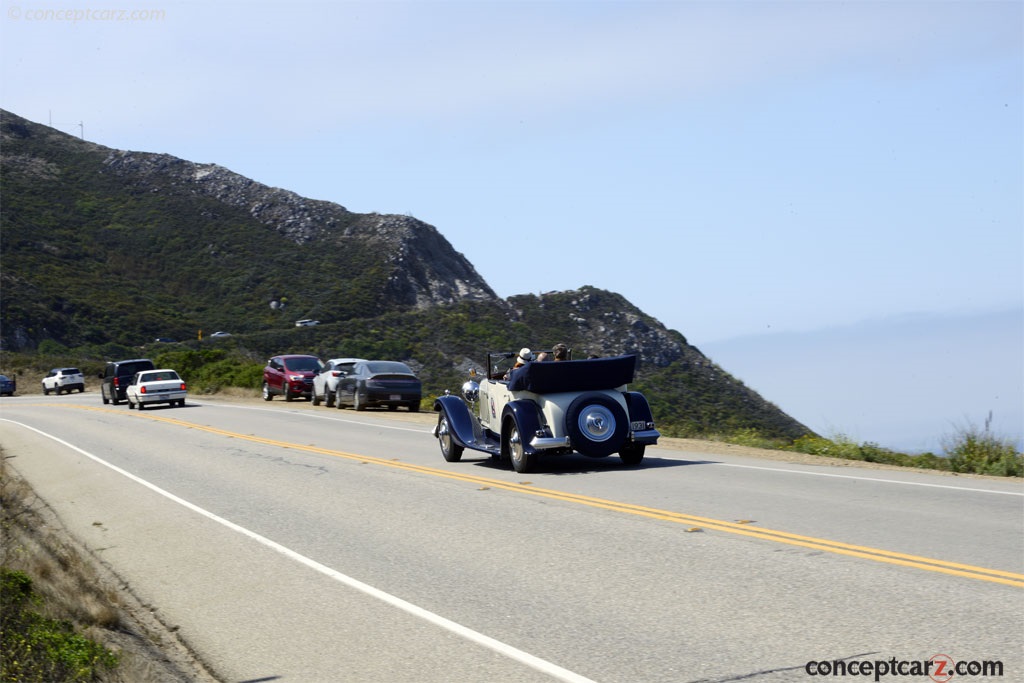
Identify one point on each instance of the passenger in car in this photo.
(524, 357)
(558, 352)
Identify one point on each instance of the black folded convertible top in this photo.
(594, 374)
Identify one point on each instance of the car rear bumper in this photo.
(647, 437)
(389, 398)
(546, 442)
(163, 397)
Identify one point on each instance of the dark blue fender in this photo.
(460, 421)
(640, 411)
(461, 424)
(529, 419)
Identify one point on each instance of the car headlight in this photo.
(296, 378)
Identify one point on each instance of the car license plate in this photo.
(396, 397)
(638, 425)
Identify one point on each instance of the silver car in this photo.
(325, 384)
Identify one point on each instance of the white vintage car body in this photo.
(150, 387)
(547, 407)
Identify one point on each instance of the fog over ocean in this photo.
(903, 383)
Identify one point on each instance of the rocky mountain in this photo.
(437, 274)
(104, 250)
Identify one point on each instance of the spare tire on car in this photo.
(596, 425)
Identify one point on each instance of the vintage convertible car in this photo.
(547, 407)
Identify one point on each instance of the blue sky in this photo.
(731, 168)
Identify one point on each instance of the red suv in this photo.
(290, 376)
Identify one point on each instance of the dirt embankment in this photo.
(78, 587)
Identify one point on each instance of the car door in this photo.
(106, 388)
(340, 388)
(344, 369)
(347, 384)
(322, 381)
(275, 375)
(131, 390)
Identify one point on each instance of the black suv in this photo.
(117, 376)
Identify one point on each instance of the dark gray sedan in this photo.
(379, 383)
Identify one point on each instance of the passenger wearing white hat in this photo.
(524, 357)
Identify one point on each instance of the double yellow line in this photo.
(740, 529)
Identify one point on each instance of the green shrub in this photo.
(842, 446)
(49, 347)
(752, 437)
(228, 373)
(34, 648)
(980, 451)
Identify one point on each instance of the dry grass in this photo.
(75, 587)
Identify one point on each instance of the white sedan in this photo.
(155, 386)
(325, 384)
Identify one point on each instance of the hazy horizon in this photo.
(902, 382)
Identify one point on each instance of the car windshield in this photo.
(295, 364)
(72, 371)
(387, 367)
(500, 363)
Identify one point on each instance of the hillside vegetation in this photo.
(106, 250)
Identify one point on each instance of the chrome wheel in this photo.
(451, 451)
(522, 462)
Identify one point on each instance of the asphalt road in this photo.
(285, 542)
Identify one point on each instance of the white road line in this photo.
(872, 479)
(469, 634)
